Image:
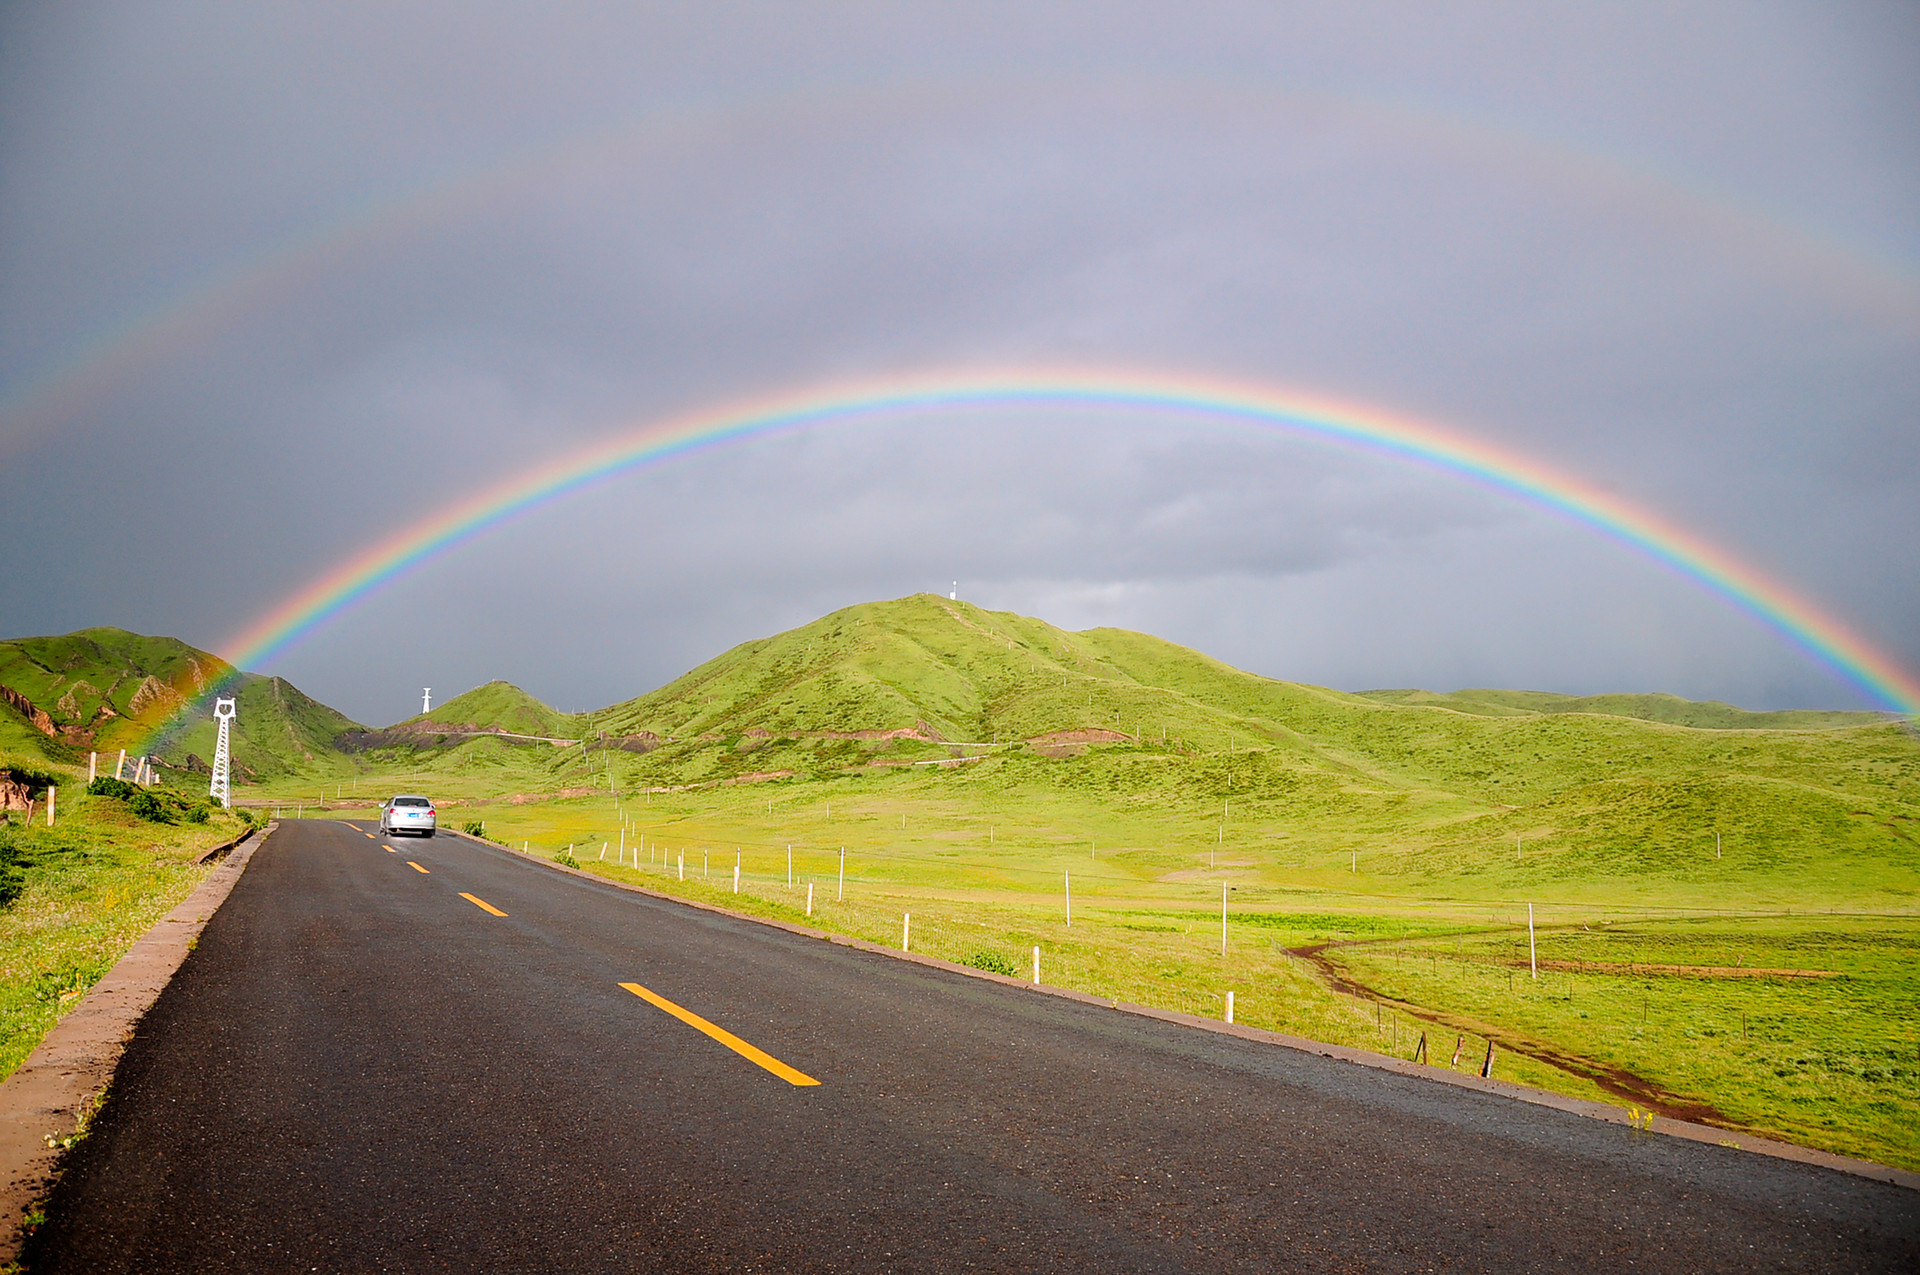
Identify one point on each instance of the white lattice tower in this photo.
(220, 787)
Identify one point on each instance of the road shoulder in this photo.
(51, 1096)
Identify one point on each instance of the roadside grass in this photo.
(1830, 1060)
(95, 882)
(982, 866)
(1326, 818)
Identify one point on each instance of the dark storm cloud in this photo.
(1670, 250)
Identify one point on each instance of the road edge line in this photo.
(61, 1082)
(1732, 1139)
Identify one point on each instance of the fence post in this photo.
(1036, 963)
(906, 931)
(1486, 1068)
(53, 791)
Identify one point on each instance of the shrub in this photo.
(197, 814)
(566, 860)
(108, 786)
(149, 806)
(993, 963)
(474, 828)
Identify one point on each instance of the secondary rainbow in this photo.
(905, 400)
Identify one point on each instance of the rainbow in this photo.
(1359, 428)
(355, 231)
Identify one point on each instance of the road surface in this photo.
(446, 1057)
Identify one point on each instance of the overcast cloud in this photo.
(277, 281)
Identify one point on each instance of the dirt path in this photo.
(1617, 1081)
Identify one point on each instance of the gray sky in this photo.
(277, 281)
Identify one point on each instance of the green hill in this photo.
(105, 689)
(928, 668)
(1671, 709)
(1597, 788)
(498, 709)
(497, 706)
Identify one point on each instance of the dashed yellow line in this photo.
(725, 1037)
(411, 864)
(482, 904)
(390, 850)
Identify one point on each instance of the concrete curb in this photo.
(61, 1082)
(1734, 1139)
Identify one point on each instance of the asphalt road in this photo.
(361, 1069)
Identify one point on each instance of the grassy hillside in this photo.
(942, 670)
(106, 689)
(1145, 744)
(497, 706)
(1671, 709)
(968, 761)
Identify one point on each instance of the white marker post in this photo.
(121, 764)
(1223, 918)
(52, 792)
(1036, 964)
(841, 897)
(93, 766)
(1229, 1006)
(603, 852)
(736, 878)
(683, 865)
(1533, 955)
(809, 898)
(906, 931)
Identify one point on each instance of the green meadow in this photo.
(1645, 940)
(1725, 904)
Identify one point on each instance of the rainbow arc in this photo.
(1360, 428)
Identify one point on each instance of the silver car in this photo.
(407, 814)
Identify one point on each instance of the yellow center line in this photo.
(411, 864)
(724, 1036)
(390, 850)
(482, 904)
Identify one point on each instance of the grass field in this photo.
(95, 882)
(1378, 852)
(1643, 982)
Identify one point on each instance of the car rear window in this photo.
(411, 801)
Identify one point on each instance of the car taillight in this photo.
(429, 809)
